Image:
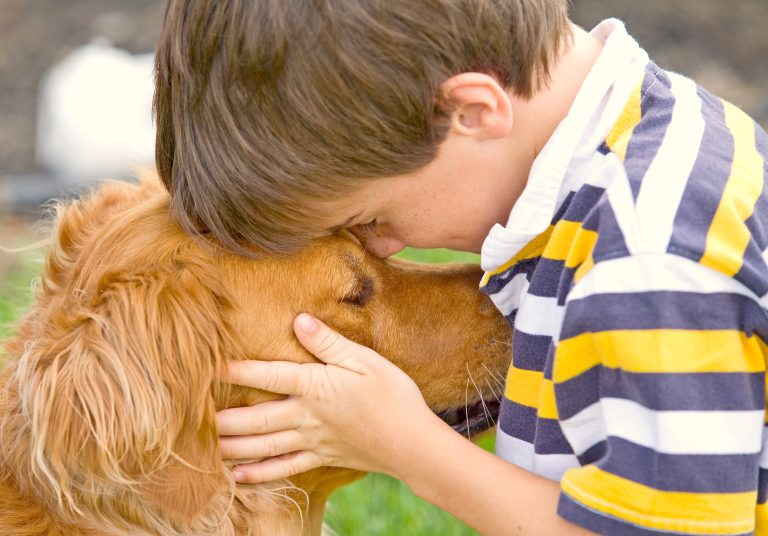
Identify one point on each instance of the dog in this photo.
(111, 384)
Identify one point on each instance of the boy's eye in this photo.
(368, 226)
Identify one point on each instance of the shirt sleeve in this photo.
(659, 376)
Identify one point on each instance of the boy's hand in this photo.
(356, 410)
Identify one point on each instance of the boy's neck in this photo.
(537, 118)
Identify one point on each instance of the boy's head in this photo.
(269, 111)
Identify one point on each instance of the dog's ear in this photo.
(76, 221)
(121, 393)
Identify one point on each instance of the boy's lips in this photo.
(472, 419)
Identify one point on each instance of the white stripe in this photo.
(764, 297)
(622, 203)
(764, 453)
(539, 316)
(585, 429)
(647, 272)
(521, 453)
(669, 432)
(664, 182)
(508, 298)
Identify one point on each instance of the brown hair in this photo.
(266, 109)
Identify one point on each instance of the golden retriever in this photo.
(108, 397)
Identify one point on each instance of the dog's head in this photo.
(108, 410)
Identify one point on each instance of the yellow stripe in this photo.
(728, 236)
(547, 408)
(581, 249)
(619, 136)
(706, 513)
(582, 270)
(561, 241)
(523, 386)
(529, 388)
(761, 520)
(532, 249)
(660, 350)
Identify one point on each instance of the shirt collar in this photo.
(596, 106)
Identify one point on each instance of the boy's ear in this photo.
(479, 106)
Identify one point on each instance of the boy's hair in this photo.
(267, 110)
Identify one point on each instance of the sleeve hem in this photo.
(600, 523)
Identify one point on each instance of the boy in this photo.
(620, 214)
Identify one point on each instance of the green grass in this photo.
(376, 505)
(20, 273)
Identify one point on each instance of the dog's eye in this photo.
(361, 293)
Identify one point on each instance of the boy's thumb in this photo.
(324, 343)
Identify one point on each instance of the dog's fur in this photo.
(108, 397)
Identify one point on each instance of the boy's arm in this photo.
(361, 411)
(485, 491)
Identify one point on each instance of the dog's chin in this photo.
(472, 419)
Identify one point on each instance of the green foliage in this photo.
(438, 256)
(16, 289)
(379, 505)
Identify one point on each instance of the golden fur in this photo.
(108, 398)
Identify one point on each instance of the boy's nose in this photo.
(377, 243)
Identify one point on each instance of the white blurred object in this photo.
(95, 114)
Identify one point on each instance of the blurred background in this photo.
(71, 113)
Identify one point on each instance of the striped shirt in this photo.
(633, 268)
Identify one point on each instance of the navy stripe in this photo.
(549, 438)
(529, 352)
(499, 281)
(593, 453)
(584, 201)
(663, 391)
(700, 391)
(510, 318)
(549, 363)
(752, 273)
(762, 486)
(578, 393)
(605, 524)
(545, 279)
(753, 270)
(564, 284)
(610, 239)
(563, 208)
(706, 183)
(521, 422)
(517, 420)
(656, 105)
(756, 223)
(691, 473)
(661, 310)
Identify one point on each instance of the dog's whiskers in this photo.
(493, 390)
(495, 377)
(488, 419)
(466, 407)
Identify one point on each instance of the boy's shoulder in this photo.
(688, 173)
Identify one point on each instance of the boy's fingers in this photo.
(263, 418)
(326, 344)
(276, 468)
(276, 376)
(260, 446)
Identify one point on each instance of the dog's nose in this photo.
(384, 247)
(377, 243)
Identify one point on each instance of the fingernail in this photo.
(239, 475)
(306, 323)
